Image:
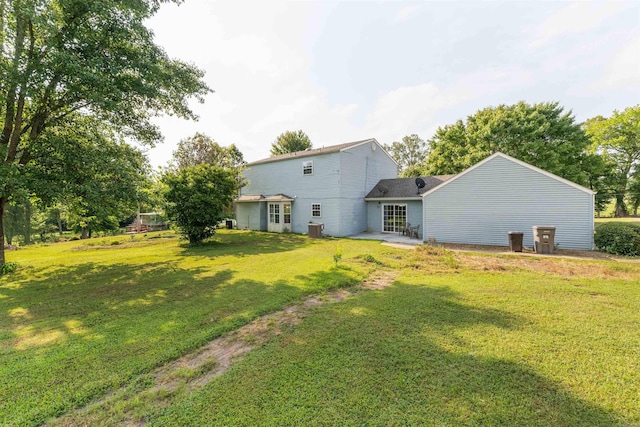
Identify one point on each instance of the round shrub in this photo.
(8, 267)
(619, 238)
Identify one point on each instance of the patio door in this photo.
(279, 217)
(394, 218)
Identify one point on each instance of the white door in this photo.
(275, 218)
(394, 218)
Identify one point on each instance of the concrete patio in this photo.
(397, 238)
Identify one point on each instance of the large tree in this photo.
(617, 139)
(196, 198)
(94, 58)
(200, 148)
(290, 142)
(410, 154)
(542, 134)
(98, 177)
(634, 193)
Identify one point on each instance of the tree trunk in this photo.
(27, 223)
(3, 202)
(85, 233)
(621, 210)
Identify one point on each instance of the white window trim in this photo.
(319, 210)
(307, 164)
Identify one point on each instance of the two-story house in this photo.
(353, 187)
(324, 185)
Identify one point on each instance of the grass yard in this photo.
(632, 219)
(457, 339)
(82, 318)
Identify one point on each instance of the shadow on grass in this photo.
(404, 355)
(428, 366)
(246, 243)
(81, 331)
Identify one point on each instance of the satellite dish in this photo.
(420, 184)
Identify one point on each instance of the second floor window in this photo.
(307, 168)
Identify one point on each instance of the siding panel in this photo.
(499, 196)
(360, 170)
(248, 216)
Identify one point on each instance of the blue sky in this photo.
(349, 70)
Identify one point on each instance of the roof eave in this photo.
(386, 199)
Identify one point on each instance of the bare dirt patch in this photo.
(196, 369)
(438, 258)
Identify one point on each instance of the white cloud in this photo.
(411, 109)
(406, 13)
(624, 70)
(287, 65)
(577, 17)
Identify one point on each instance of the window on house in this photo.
(315, 210)
(287, 213)
(307, 168)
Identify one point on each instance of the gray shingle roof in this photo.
(405, 187)
(311, 152)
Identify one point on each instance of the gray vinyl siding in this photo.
(286, 177)
(339, 182)
(499, 196)
(251, 216)
(360, 170)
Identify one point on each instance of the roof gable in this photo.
(516, 161)
(319, 151)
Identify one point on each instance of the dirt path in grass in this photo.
(194, 370)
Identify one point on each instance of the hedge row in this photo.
(619, 238)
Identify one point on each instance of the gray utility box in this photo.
(515, 241)
(315, 230)
(543, 239)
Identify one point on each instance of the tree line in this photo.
(107, 181)
(602, 154)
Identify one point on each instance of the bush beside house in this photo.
(619, 238)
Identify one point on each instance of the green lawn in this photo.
(458, 339)
(633, 219)
(82, 318)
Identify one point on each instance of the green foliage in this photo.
(8, 267)
(100, 178)
(62, 59)
(337, 255)
(633, 192)
(200, 148)
(197, 197)
(617, 139)
(370, 259)
(540, 134)
(290, 142)
(410, 154)
(619, 238)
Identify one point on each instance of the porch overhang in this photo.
(245, 198)
(248, 198)
(278, 198)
